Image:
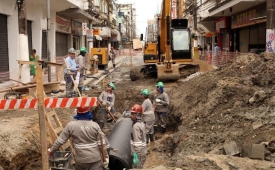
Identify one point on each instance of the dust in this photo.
(232, 103)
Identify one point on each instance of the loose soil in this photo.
(207, 110)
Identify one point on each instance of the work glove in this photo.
(135, 159)
(158, 100)
(50, 153)
(103, 103)
(106, 163)
(109, 108)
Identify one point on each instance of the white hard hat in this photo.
(72, 51)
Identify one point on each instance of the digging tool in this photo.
(102, 150)
(110, 114)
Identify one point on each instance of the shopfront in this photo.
(250, 29)
(4, 49)
(77, 34)
(115, 38)
(63, 30)
(222, 27)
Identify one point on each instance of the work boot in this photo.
(163, 128)
(147, 138)
(151, 137)
(114, 65)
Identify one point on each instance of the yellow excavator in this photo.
(171, 56)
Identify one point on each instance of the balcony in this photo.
(230, 7)
(103, 16)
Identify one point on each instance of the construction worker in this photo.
(138, 137)
(85, 134)
(107, 100)
(148, 116)
(80, 60)
(161, 102)
(70, 60)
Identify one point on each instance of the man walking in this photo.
(113, 54)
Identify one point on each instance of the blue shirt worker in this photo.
(73, 68)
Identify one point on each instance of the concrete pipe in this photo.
(119, 139)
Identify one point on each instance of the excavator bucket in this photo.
(165, 74)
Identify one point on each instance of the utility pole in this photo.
(41, 113)
(48, 37)
(195, 21)
(270, 25)
(23, 39)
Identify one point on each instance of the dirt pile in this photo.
(207, 110)
(233, 103)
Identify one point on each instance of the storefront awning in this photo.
(75, 13)
(98, 37)
(115, 37)
(114, 31)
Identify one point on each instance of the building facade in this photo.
(73, 23)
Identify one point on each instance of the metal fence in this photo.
(219, 58)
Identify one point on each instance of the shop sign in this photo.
(270, 40)
(224, 30)
(84, 28)
(90, 35)
(63, 25)
(209, 34)
(219, 25)
(174, 9)
(76, 28)
(96, 31)
(244, 18)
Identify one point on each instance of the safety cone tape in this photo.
(48, 103)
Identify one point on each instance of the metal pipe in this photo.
(119, 139)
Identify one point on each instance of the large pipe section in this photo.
(120, 156)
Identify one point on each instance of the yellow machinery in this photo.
(103, 57)
(174, 54)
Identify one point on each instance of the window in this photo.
(181, 40)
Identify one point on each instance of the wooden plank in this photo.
(28, 86)
(50, 114)
(58, 130)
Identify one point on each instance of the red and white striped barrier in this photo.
(48, 103)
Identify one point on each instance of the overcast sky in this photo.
(145, 9)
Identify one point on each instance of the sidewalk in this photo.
(88, 82)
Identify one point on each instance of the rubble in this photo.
(233, 103)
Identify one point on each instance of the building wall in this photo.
(7, 7)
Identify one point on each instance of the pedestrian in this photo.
(200, 52)
(35, 58)
(107, 99)
(80, 61)
(217, 50)
(85, 134)
(113, 56)
(73, 68)
(161, 102)
(138, 138)
(148, 116)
